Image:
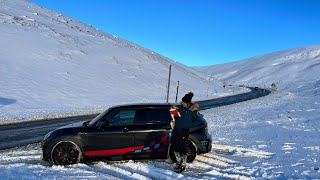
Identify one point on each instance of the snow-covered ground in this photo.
(283, 123)
(274, 137)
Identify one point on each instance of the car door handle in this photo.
(167, 127)
(125, 129)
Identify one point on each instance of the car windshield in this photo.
(96, 119)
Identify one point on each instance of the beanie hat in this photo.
(187, 98)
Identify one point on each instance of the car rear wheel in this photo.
(65, 152)
(191, 153)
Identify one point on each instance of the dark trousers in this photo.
(179, 140)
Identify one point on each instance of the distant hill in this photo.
(294, 70)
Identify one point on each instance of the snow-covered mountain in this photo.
(294, 70)
(50, 62)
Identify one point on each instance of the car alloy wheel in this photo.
(65, 152)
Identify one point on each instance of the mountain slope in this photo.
(49, 63)
(294, 70)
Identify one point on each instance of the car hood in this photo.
(73, 126)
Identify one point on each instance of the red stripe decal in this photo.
(148, 151)
(164, 138)
(152, 143)
(112, 151)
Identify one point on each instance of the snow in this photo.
(52, 65)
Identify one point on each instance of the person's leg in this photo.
(184, 147)
(175, 145)
(178, 158)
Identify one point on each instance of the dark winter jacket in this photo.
(188, 117)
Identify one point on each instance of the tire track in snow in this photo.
(213, 162)
(202, 170)
(226, 172)
(121, 173)
(241, 151)
(209, 155)
(92, 171)
(150, 170)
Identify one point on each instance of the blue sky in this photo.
(202, 32)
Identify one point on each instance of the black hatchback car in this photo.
(136, 131)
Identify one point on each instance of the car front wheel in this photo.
(65, 152)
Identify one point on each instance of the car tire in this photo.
(191, 153)
(65, 153)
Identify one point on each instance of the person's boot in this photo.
(178, 157)
(178, 163)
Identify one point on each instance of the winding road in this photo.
(15, 135)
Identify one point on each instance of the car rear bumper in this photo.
(205, 145)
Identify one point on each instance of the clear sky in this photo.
(201, 32)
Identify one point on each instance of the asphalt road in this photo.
(15, 135)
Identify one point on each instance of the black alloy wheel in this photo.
(64, 153)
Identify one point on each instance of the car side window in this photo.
(122, 118)
(154, 116)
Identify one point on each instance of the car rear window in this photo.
(154, 116)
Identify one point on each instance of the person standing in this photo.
(180, 134)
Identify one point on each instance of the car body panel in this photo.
(154, 139)
(101, 142)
